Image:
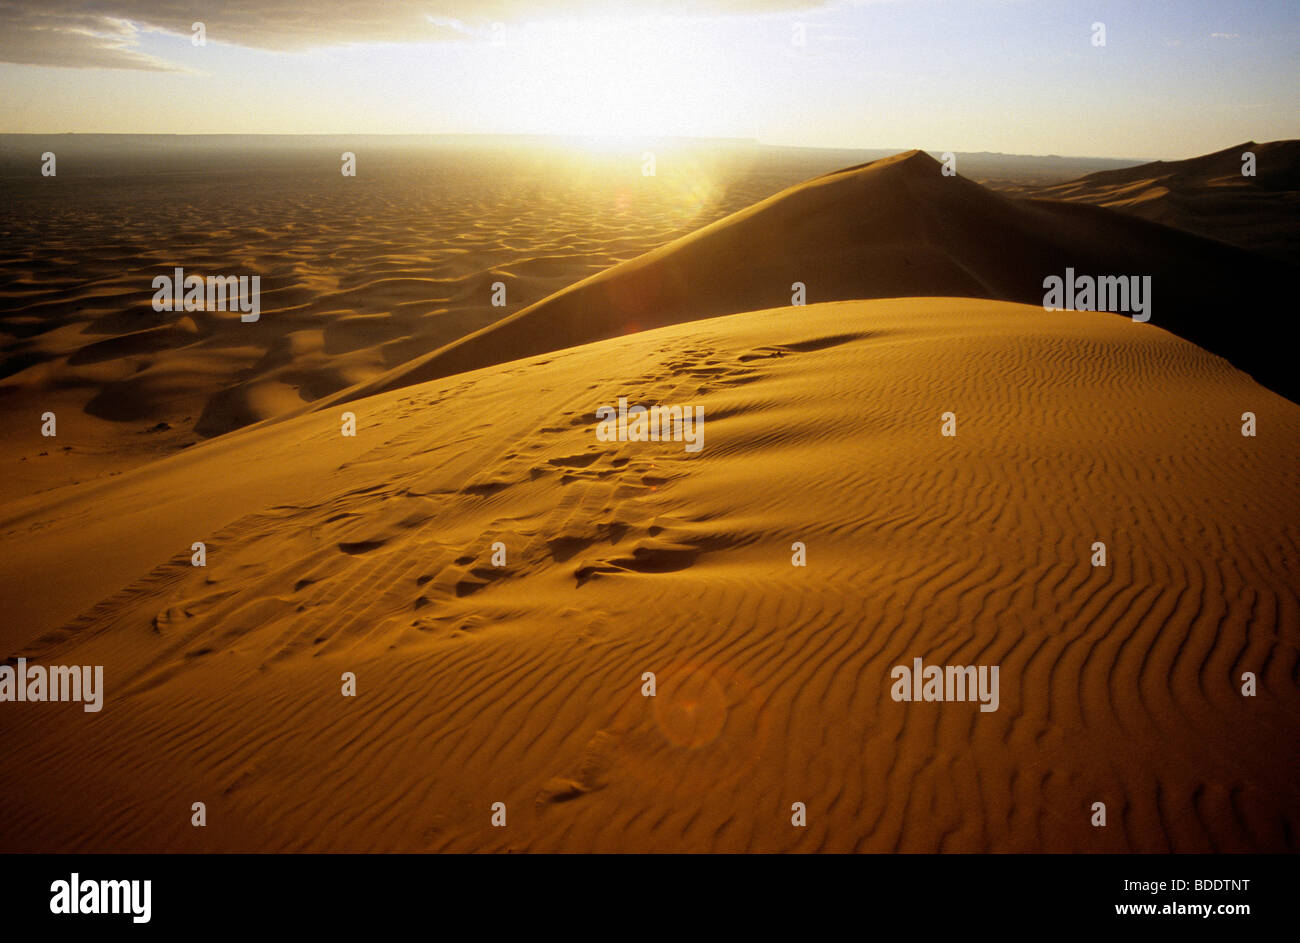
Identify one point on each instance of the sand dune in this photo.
(385, 280)
(894, 228)
(1207, 195)
(358, 275)
(521, 684)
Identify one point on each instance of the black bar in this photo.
(642, 894)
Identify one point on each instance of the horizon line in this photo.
(581, 137)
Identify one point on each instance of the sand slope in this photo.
(1206, 195)
(894, 228)
(522, 684)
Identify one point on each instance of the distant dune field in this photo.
(358, 275)
(1208, 195)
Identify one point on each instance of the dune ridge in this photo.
(894, 227)
(384, 281)
(1207, 195)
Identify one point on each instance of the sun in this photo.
(607, 81)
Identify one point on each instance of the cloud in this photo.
(48, 36)
(105, 33)
(1225, 35)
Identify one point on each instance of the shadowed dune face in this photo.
(522, 683)
(893, 228)
(1208, 195)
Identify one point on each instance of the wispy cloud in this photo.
(106, 33)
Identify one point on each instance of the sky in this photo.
(1174, 78)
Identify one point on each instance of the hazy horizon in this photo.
(990, 76)
(607, 142)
